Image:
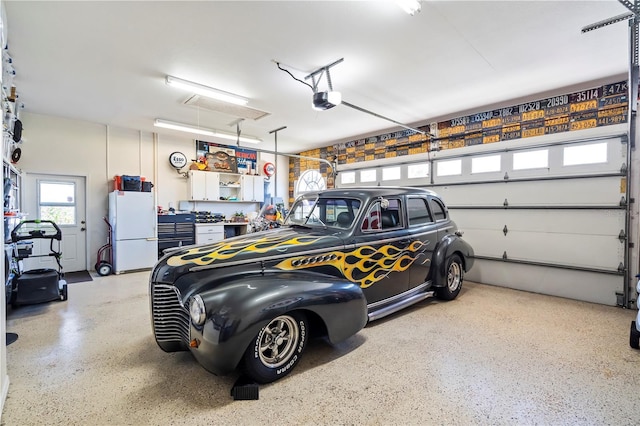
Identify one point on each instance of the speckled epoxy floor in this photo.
(492, 357)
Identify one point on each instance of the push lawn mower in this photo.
(37, 285)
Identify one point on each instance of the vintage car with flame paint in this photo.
(343, 257)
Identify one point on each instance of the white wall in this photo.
(58, 146)
(54, 145)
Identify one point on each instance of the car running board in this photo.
(389, 309)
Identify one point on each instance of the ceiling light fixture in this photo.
(204, 131)
(209, 92)
(410, 6)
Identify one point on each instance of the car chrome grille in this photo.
(170, 317)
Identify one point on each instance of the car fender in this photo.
(239, 308)
(448, 246)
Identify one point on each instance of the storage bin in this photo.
(146, 186)
(131, 183)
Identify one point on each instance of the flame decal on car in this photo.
(207, 255)
(365, 265)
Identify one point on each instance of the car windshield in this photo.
(324, 212)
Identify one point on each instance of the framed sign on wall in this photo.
(223, 158)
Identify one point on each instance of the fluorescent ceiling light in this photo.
(203, 131)
(209, 92)
(409, 6)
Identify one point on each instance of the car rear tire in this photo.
(634, 336)
(453, 279)
(277, 348)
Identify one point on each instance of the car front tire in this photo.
(277, 348)
(453, 279)
(634, 336)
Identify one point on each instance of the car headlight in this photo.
(197, 310)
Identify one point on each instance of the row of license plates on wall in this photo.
(600, 106)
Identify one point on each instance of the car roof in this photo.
(371, 192)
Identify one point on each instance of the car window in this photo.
(379, 218)
(299, 214)
(418, 212)
(439, 212)
(371, 221)
(334, 212)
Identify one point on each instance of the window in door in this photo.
(57, 202)
(418, 212)
(438, 209)
(383, 217)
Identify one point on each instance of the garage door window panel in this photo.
(449, 168)
(486, 164)
(390, 173)
(417, 171)
(347, 178)
(585, 154)
(367, 176)
(538, 159)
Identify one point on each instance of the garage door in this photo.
(546, 214)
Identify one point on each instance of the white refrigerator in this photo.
(133, 216)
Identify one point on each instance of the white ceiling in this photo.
(105, 62)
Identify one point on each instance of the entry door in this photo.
(381, 247)
(60, 199)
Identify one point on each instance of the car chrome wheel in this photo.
(451, 282)
(454, 276)
(278, 341)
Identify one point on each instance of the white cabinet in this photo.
(209, 233)
(229, 186)
(252, 188)
(204, 186)
(214, 186)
